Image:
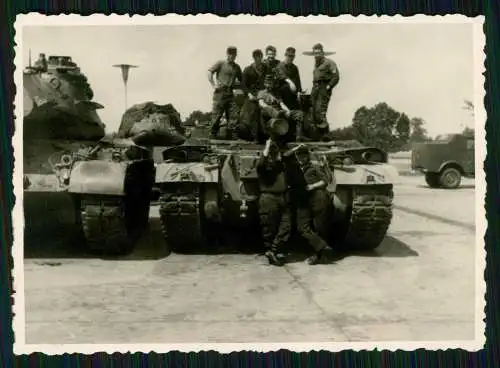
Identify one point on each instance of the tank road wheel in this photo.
(432, 180)
(109, 226)
(181, 221)
(450, 178)
(371, 215)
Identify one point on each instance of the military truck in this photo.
(445, 160)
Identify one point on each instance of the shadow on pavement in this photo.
(462, 187)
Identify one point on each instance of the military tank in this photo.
(73, 173)
(212, 184)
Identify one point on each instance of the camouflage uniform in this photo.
(274, 207)
(325, 78)
(223, 98)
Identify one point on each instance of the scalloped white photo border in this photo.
(19, 323)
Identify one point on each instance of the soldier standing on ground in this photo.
(253, 82)
(318, 198)
(325, 78)
(300, 197)
(228, 72)
(274, 205)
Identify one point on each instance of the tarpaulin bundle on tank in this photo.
(138, 112)
(152, 124)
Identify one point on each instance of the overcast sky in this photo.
(424, 70)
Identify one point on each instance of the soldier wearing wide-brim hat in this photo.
(325, 78)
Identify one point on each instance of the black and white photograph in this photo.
(248, 183)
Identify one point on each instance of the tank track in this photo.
(105, 225)
(370, 219)
(180, 217)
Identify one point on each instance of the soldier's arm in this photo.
(334, 80)
(299, 82)
(212, 70)
(315, 179)
(281, 76)
(245, 81)
(260, 98)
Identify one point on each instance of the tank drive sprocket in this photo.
(371, 216)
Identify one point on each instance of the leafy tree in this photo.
(198, 116)
(346, 133)
(468, 105)
(381, 126)
(418, 132)
(468, 132)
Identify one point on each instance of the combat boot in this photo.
(324, 256)
(275, 259)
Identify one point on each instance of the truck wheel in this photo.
(432, 180)
(450, 178)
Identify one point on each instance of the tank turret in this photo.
(73, 174)
(58, 102)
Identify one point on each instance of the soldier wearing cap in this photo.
(325, 78)
(311, 202)
(253, 82)
(228, 74)
(272, 65)
(273, 107)
(274, 205)
(290, 70)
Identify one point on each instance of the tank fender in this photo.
(452, 163)
(191, 172)
(366, 174)
(98, 177)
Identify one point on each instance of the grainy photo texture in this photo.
(248, 183)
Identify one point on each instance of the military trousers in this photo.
(305, 223)
(320, 99)
(250, 122)
(224, 104)
(275, 220)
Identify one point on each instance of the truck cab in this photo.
(445, 160)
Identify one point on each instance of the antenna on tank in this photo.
(29, 59)
(125, 70)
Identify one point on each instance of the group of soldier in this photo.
(290, 186)
(272, 89)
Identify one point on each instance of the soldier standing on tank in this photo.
(290, 71)
(272, 64)
(253, 82)
(301, 197)
(228, 74)
(41, 63)
(325, 78)
(274, 205)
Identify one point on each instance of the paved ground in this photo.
(419, 285)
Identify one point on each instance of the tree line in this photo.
(380, 126)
